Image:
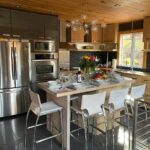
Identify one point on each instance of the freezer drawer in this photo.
(14, 101)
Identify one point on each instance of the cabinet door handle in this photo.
(8, 35)
(41, 37)
(49, 38)
(16, 36)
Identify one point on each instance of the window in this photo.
(131, 46)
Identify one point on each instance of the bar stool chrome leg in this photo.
(85, 131)
(35, 132)
(51, 128)
(78, 123)
(62, 132)
(26, 127)
(93, 122)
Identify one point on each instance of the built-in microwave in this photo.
(43, 46)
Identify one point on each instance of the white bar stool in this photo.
(40, 110)
(116, 101)
(90, 107)
(137, 92)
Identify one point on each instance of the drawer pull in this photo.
(134, 78)
(16, 36)
(8, 35)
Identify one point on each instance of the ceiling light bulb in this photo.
(86, 25)
(80, 27)
(94, 28)
(94, 22)
(86, 32)
(103, 25)
(77, 21)
(83, 16)
(68, 24)
(74, 28)
(73, 22)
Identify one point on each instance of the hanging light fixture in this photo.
(82, 23)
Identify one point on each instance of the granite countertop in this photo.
(140, 73)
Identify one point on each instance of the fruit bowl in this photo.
(102, 76)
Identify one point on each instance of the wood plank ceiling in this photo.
(109, 11)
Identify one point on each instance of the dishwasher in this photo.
(141, 125)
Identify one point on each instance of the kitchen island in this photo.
(62, 97)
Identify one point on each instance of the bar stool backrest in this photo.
(137, 91)
(35, 102)
(92, 103)
(117, 97)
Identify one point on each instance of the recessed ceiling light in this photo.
(117, 5)
(141, 10)
(103, 2)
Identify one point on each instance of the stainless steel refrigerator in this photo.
(14, 77)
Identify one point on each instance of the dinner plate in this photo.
(57, 86)
(52, 83)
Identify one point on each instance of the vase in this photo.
(88, 72)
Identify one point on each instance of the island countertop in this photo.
(67, 91)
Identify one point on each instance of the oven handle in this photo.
(44, 60)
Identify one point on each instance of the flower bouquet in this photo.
(87, 64)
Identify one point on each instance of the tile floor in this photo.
(12, 137)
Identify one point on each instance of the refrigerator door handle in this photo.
(12, 62)
(15, 68)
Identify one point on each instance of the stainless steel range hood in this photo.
(85, 46)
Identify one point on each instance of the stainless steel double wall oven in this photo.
(44, 63)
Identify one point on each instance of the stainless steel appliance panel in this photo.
(7, 70)
(43, 46)
(44, 70)
(21, 61)
(13, 102)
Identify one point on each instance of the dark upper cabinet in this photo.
(5, 23)
(36, 27)
(20, 24)
(28, 25)
(51, 25)
(52, 29)
(51, 22)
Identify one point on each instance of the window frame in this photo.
(118, 49)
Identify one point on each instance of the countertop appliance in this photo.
(14, 76)
(44, 46)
